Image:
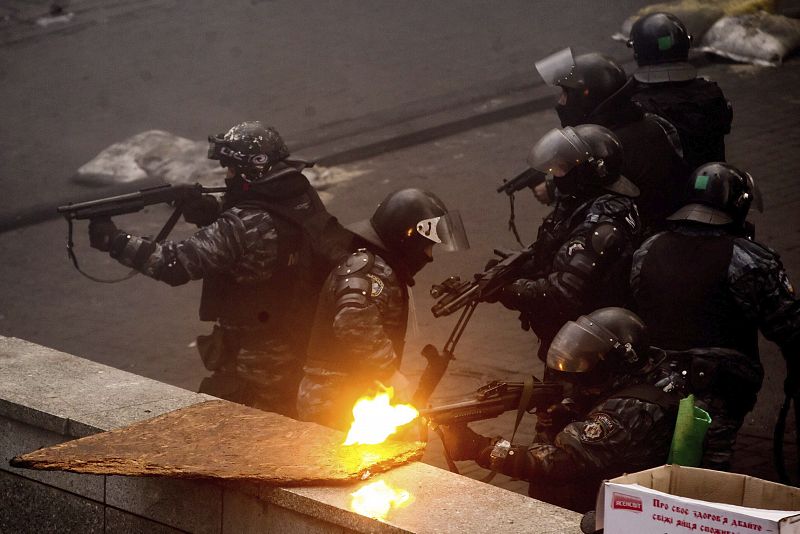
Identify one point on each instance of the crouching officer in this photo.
(626, 427)
(728, 288)
(360, 326)
(583, 248)
(262, 255)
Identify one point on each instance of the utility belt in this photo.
(719, 372)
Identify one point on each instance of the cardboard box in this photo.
(674, 499)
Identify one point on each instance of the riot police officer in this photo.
(626, 427)
(667, 84)
(360, 326)
(262, 255)
(583, 248)
(706, 285)
(594, 90)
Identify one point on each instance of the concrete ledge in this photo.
(47, 397)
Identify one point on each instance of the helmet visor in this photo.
(558, 69)
(446, 230)
(576, 349)
(558, 152)
(758, 200)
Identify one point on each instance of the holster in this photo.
(214, 350)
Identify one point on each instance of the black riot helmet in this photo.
(408, 222)
(250, 148)
(608, 338)
(718, 194)
(586, 81)
(660, 43)
(582, 160)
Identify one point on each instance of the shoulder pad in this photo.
(359, 261)
(606, 237)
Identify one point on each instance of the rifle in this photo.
(136, 201)
(527, 178)
(454, 293)
(175, 195)
(496, 398)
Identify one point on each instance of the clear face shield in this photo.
(577, 348)
(559, 151)
(758, 201)
(446, 230)
(558, 69)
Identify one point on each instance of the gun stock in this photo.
(136, 201)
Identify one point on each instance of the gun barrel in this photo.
(132, 202)
(471, 410)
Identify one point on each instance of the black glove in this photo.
(102, 232)
(552, 420)
(201, 211)
(463, 443)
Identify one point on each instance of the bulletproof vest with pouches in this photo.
(310, 240)
(684, 296)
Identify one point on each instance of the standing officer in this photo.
(262, 255)
(627, 427)
(583, 248)
(594, 91)
(704, 284)
(360, 326)
(667, 84)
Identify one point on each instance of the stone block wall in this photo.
(47, 397)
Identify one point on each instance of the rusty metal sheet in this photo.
(223, 440)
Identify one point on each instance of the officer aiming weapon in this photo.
(174, 195)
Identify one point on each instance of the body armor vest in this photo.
(310, 240)
(699, 311)
(698, 110)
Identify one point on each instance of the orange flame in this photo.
(375, 419)
(377, 499)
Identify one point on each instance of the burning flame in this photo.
(377, 499)
(375, 419)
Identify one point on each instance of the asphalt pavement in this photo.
(436, 128)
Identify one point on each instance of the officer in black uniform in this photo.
(706, 285)
(594, 90)
(263, 256)
(667, 85)
(360, 326)
(626, 427)
(583, 248)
